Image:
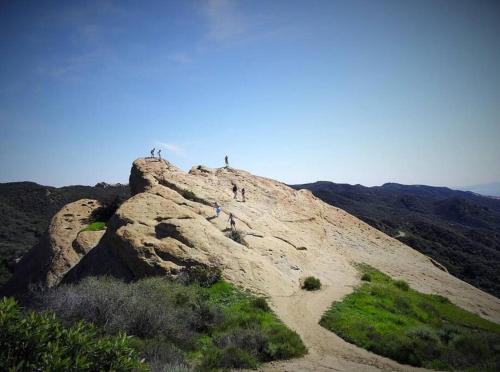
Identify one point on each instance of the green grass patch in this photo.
(389, 318)
(181, 323)
(40, 342)
(95, 226)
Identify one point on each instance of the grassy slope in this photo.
(95, 226)
(390, 319)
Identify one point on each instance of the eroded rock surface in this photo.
(170, 224)
(61, 248)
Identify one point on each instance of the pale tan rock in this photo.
(58, 250)
(170, 224)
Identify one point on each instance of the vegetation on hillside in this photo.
(95, 226)
(389, 318)
(40, 342)
(187, 326)
(460, 230)
(311, 283)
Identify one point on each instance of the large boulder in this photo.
(60, 248)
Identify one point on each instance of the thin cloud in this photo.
(182, 58)
(172, 148)
(225, 20)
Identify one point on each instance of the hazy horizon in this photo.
(352, 92)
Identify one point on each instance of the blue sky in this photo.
(349, 91)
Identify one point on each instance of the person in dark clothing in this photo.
(243, 194)
(235, 190)
(226, 159)
(159, 154)
(153, 153)
(232, 221)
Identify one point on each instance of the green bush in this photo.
(32, 341)
(261, 303)
(311, 284)
(389, 318)
(188, 194)
(401, 284)
(237, 237)
(366, 277)
(180, 325)
(205, 276)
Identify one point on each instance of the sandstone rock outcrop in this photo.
(61, 247)
(170, 224)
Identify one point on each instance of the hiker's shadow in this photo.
(211, 218)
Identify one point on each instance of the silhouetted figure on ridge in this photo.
(153, 153)
(235, 190)
(232, 221)
(226, 160)
(159, 154)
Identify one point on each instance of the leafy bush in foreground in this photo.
(208, 327)
(311, 284)
(31, 341)
(391, 319)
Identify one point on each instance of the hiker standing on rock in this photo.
(153, 153)
(232, 221)
(159, 154)
(226, 159)
(217, 209)
(243, 194)
(235, 190)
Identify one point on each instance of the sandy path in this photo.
(327, 352)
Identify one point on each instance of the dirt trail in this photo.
(327, 352)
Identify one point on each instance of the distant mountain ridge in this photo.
(459, 229)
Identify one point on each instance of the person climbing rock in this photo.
(153, 153)
(243, 194)
(235, 190)
(217, 209)
(232, 221)
(226, 159)
(159, 154)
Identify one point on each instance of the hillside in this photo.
(26, 209)
(461, 230)
(283, 236)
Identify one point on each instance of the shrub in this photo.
(311, 284)
(261, 303)
(219, 326)
(366, 277)
(105, 212)
(237, 237)
(401, 284)
(205, 276)
(188, 194)
(31, 341)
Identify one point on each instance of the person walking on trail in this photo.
(243, 194)
(235, 190)
(232, 221)
(153, 153)
(226, 159)
(217, 209)
(159, 154)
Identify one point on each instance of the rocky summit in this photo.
(283, 235)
